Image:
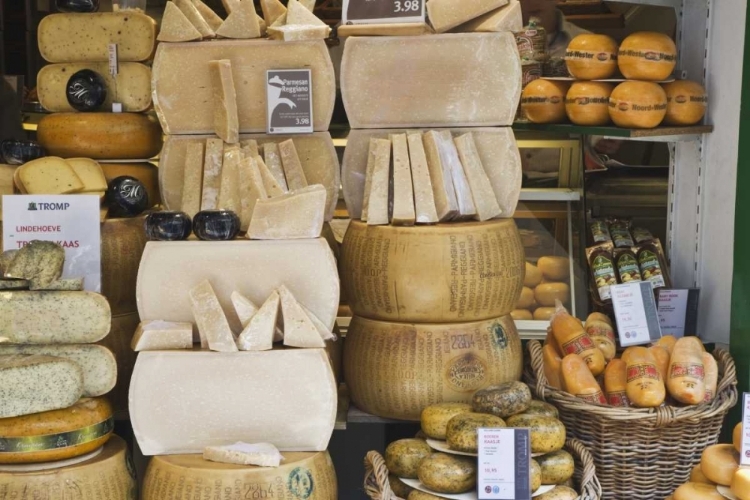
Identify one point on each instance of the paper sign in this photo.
(70, 220)
(289, 98)
(745, 454)
(635, 313)
(678, 311)
(504, 464)
(382, 11)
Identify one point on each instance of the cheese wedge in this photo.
(176, 27)
(208, 15)
(447, 14)
(444, 191)
(246, 309)
(229, 190)
(293, 172)
(225, 101)
(242, 22)
(506, 18)
(273, 188)
(272, 9)
(49, 175)
(193, 182)
(273, 161)
(296, 32)
(294, 215)
(90, 173)
(249, 147)
(299, 15)
(377, 201)
(41, 261)
(162, 335)
(195, 18)
(299, 330)
(403, 190)
(251, 189)
(211, 173)
(210, 318)
(424, 198)
(481, 189)
(258, 335)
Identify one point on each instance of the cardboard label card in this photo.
(289, 101)
(504, 464)
(635, 313)
(678, 311)
(745, 454)
(69, 220)
(382, 11)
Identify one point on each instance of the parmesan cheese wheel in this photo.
(101, 136)
(591, 57)
(118, 341)
(111, 471)
(309, 476)
(526, 300)
(741, 484)
(394, 370)
(533, 276)
(719, 462)
(686, 102)
(547, 293)
(543, 101)
(697, 491)
(587, 103)
(56, 435)
(433, 274)
(521, 315)
(647, 56)
(638, 105)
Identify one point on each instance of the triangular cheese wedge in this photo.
(242, 23)
(259, 333)
(269, 181)
(299, 330)
(187, 8)
(308, 4)
(297, 14)
(262, 24)
(175, 27)
(246, 309)
(230, 5)
(272, 9)
(210, 318)
(208, 15)
(279, 22)
(325, 334)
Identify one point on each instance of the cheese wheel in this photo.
(547, 293)
(686, 102)
(591, 57)
(645, 387)
(661, 356)
(433, 274)
(402, 457)
(554, 268)
(122, 244)
(301, 475)
(719, 462)
(552, 366)
(526, 300)
(394, 370)
(147, 173)
(603, 336)
(101, 136)
(697, 491)
(502, 400)
(686, 380)
(637, 105)
(533, 276)
(579, 381)
(56, 435)
(461, 433)
(616, 383)
(587, 103)
(737, 437)
(111, 470)
(741, 484)
(521, 315)
(434, 419)
(543, 101)
(573, 339)
(697, 476)
(711, 374)
(547, 433)
(647, 56)
(544, 313)
(121, 332)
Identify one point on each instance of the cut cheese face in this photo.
(424, 199)
(162, 335)
(208, 15)
(273, 188)
(447, 14)
(443, 190)
(49, 175)
(293, 171)
(456, 80)
(195, 17)
(324, 332)
(63, 284)
(38, 260)
(272, 10)
(481, 189)
(297, 14)
(377, 200)
(259, 332)
(449, 157)
(251, 189)
(176, 27)
(210, 318)
(229, 190)
(400, 29)
(294, 215)
(90, 174)
(252, 268)
(368, 179)
(249, 148)
(181, 75)
(211, 173)
(260, 454)
(299, 329)
(272, 158)
(242, 22)
(506, 18)
(225, 101)
(403, 190)
(244, 307)
(295, 32)
(193, 183)
(203, 416)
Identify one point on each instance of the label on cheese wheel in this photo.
(587, 55)
(32, 444)
(289, 97)
(382, 11)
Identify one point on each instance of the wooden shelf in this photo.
(659, 134)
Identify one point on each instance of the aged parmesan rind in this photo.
(506, 18)
(285, 397)
(456, 80)
(447, 14)
(446, 363)
(181, 75)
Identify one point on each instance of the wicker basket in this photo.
(377, 486)
(640, 453)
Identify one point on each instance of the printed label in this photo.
(651, 268)
(644, 370)
(689, 370)
(289, 101)
(627, 267)
(604, 276)
(618, 398)
(466, 373)
(32, 444)
(383, 11)
(584, 101)
(601, 331)
(599, 229)
(595, 398)
(578, 345)
(626, 106)
(585, 55)
(649, 55)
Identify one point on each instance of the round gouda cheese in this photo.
(544, 313)
(719, 462)
(526, 300)
(521, 314)
(686, 102)
(737, 437)
(543, 101)
(533, 276)
(638, 105)
(697, 491)
(587, 103)
(741, 484)
(591, 57)
(547, 293)
(647, 56)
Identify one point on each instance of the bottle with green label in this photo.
(628, 269)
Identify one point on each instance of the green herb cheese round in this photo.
(403, 457)
(434, 418)
(536, 475)
(547, 433)
(559, 493)
(399, 488)
(502, 400)
(443, 473)
(557, 467)
(541, 408)
(461, 433)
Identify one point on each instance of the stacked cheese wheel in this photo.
(544, 284)
(644, 59)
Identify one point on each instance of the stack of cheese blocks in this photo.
(432, 262)
(55, 423)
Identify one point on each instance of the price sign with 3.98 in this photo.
(383, 11)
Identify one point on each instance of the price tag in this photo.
(635, 313)
(745, 454)
(678, 311)
(289, 97)
(70, 220)
(382, 11)
(502, 475)
(114, 67)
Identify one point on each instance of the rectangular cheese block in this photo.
(229, 190)
(258, 334)
(497, 150)
(447, 14)
(182, 84)
(260, 454)
(316, 153)
(399, 29)
(193, 182)
(226, 124)
(210, 318)
(53, 317)
(454, 80)
(253, 268)
(97, 363)
(298, 32)
(377, 202)
(162, 335)
(33, 384)
(214, 158)
(131, 87)
(506, 18)
(444, 192)
(403, 190)
(296, 214)
(252, 190)
(424, 199)
(284, 397)
(49, 175)
(449, 157)
(86, 37)
(290, 162)
(481, 189)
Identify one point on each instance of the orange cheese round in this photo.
(526, 300)
(521, 315)
(544, 313)
(647, 55)
(547, 293)
(719, 462)
(591, 57)
(638, 105)
(697, 491)
(686, 102)
(737, 437)
(697, 476)
(741, 484)
(587, 103)
(543, 101)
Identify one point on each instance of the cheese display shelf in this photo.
(658, 134)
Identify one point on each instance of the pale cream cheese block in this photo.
(252, 191)
(208, 15)
(481, 189)
(259, 331)
(497, 150)
(290, 162)
(249, 148)
(162, 335)
(252, 268)
(403, 189)
(210, 318)
(212, 166)
(424, 198)
(454, 80)
(323, 331)
(246, 310)
(260, 454)
(272, 10)
(241, 23)
(388, 29)
(86, 37)
(226, 124)
(297, 14)
(447, 14)
(229, 186)
(131, 87)
(97, 363)
(193, 181)
(316, 153)
(378, 195)
(33, 384)
(195, 17)
(91, 175)
(182, 87)
(443, 190)
(506, 18)
(299, 329)
(296, 214)
(49, 175)
(272, 186)
(297, 32)
(53, 317)
(285, 397)
(449, 157)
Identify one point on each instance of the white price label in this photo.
(113, 62)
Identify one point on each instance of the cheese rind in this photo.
(176, 27)
(299, 330)
(447, 14)
(481, 189)
(400, 29)
(260, 454)
(49, 175)
(242, 22)
(191, 189)
(403, 190)
(211, 173)
(296, 214)
(162, 335)
(225, 101)
(258, 334)
(210, 318)
(424, 198)
(377, 201)
(294, 386)
(62, 284)
(506, 18)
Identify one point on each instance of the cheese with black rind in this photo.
(181, 75)
(286, 397)
(145, 172)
